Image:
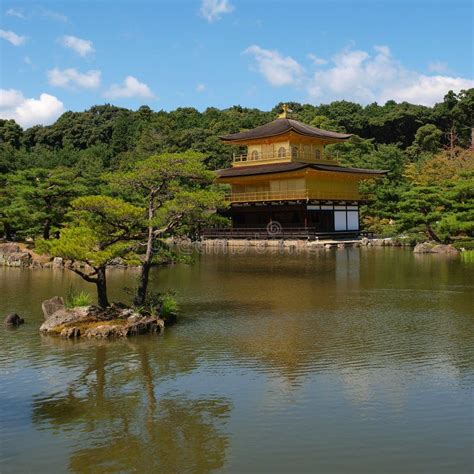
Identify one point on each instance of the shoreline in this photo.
(22, 255)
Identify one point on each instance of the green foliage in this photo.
(10, 133)
(427, 140)
(44, 168)
(179, 185)
(75, 298)
(468, 256)
(464, 244)
(101, 229)
(421, 207)
(162, 305)
(320, 121)
(169, 305)
(35, 201)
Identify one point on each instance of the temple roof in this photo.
(291, 166)
(281, 126)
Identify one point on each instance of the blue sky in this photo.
(69, 55)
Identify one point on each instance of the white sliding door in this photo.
(340, 220)
(352, 220)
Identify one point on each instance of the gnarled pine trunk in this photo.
(140, 295)
(101, 284)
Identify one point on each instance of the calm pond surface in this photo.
(346, 361)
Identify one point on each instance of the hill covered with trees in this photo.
(429, 188)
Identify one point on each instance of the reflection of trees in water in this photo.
(377, 308)
(128, 430)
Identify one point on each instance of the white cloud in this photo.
(277, 69)
(201, 87)
(68, 77)
(213, 10)
(57, 16)
(81, 46)
(317, 60)
(12, 37)
(359, 76)
(363, 77)
(28, 112)
(131, 87)
(425, 90)
(438, 66)
(16, 13)
(382, 49)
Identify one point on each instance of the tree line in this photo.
(120, 180)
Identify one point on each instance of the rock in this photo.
(429, 247)
(93, 322)
(134, 318)
(424, 247)
(52, 305)
(62, 317)
(58, 262)
(13, 320)
(11, 255)
(104, 331)
(19, 259)
(143, 326)
(70, 333)
(9, 248)
(445, 249)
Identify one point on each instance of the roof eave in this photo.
(228, 139)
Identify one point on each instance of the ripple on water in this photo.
(346, 361)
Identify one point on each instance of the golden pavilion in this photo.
(286, 180)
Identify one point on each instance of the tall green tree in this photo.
(427, 141)
(175, 189)
(421, 208)
(101, 229)
(45, 194)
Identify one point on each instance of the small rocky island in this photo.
(116, 320)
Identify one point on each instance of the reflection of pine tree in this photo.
(124, 427)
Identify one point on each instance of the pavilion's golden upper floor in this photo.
(283, 140)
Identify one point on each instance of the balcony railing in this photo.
(297, 194)
(311, 233)
(282, 154)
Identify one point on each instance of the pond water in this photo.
(355, 360)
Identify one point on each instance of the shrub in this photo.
(169, 305)
(464, 244)
(160, 304)
(77, 298)
(409, 239)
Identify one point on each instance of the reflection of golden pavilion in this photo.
(285, 176)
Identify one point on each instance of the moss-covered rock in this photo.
(94, 322)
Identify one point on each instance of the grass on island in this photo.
(76, 298)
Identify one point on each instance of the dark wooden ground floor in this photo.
(319, 217)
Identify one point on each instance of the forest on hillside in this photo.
(428, 192)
